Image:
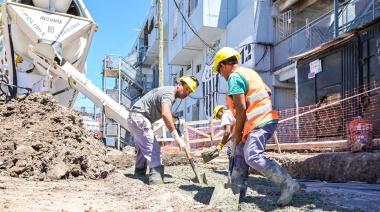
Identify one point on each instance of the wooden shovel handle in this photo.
(233, 150)
(231, 137)
(187, 151)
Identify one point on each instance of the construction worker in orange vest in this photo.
(228, 122)
(256, 121)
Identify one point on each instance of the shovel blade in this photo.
(200, 178)
(224, 197)
(209, 154)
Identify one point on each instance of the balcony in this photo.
(208, 20)
(151, 40)
(111, 66)
(299, 6)
(352, 14)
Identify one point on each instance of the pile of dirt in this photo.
(42, 140)
(122, 159)
(334, 167)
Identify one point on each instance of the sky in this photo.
(117, 20)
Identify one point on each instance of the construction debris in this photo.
(48, 142)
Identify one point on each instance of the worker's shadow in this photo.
(145, 178)
(203, 194)
(222, 172)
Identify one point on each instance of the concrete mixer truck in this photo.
(43, 48)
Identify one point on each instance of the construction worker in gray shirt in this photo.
(153, 106)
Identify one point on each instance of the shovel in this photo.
(211, 153)
(7, 161)
(198, 178)
(223, 194)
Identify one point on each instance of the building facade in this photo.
(267, 34)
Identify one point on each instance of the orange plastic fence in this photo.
(328, 120)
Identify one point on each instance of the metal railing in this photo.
(352, 14)
(111, 62)
(283, 25)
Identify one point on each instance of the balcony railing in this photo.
(352, 14)
(111, 62)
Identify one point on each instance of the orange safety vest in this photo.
(230, 104)
(259, 104)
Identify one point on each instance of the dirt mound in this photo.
(339, 167)
(42, 140)
(122, 159)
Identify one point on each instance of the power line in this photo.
(262, 57)
(118, 46)
(209, 46)
(187, 23)
(80, 99)
(242, 46)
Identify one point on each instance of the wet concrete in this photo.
(263, 194)
(352, 196)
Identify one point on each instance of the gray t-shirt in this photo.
(150, 105)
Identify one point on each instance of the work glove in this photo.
(179, 140)
(219, 147)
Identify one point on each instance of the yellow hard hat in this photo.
(223, 54)
(216, 110)
(191, 81)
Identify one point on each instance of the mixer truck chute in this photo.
(65, 25)
(45, 46)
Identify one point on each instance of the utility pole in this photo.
(336, 18)
(161, 46)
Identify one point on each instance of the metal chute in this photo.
(52, 22)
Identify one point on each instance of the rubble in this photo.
(49, 142)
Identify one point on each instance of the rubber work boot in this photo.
(156, 175)
(140, 171)
(289, 187)
(239, 182)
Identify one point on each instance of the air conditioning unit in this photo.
(110, 142)
(112, 130)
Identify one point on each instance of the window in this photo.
(151, 25)
(199, 67)
(175, 19)
(192, 5)
(175, 28)
(195, 114)
(92, 125)
(188, 109)
(283, 26)
(180, 114)
(181, 73)
(146, 34)
(329, 99)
